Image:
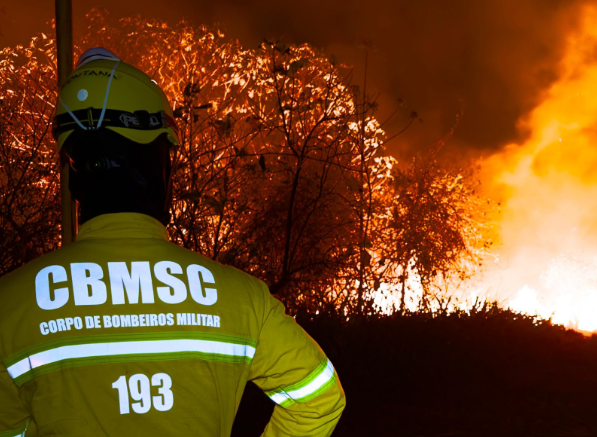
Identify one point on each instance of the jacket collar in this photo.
(122, 225)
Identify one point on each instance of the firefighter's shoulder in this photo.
(234, 277)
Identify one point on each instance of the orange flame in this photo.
(548, 257)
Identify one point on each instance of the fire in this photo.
(547, 261)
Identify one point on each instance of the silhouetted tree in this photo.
(433, 225)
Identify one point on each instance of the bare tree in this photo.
(433, 225)
(29, 195)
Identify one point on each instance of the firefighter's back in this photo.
(124, 333)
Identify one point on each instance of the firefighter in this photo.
(123, 333)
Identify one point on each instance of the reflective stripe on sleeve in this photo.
(19, 432)
(121, 351)
(12, 434)
(310, 387)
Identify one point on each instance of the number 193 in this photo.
(139, 389)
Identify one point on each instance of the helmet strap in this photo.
(99, 123)
(101, 118)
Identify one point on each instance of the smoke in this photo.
(489, 60)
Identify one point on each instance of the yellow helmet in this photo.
(104, 91)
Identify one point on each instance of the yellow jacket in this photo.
(123, 333)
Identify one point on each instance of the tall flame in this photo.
(547, 261)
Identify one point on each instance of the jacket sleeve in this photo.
(295, 373)
(14, 418)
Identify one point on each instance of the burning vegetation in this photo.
(281, 172)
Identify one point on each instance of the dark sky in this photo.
(490, 59)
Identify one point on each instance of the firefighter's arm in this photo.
(14, 418)
(295, 373)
